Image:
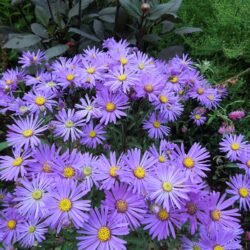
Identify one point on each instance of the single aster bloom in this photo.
(193, 163)
(102, 231)
(161, 224)
(142, 63)
(167, 187)
(218, 212)
(31, 231)
(11, 168)
(155, 126)
(111, 105)
(19, 106)
(213, 99)
(239, 188)
(93, 135)
(32, 195)
(25, 132)
(197, 116)
(187, 244)
(87, 108)
(10, 79)
(129, 206)
(108, 172)
(32, 58)
(244, 160)
(10, 222)
(66, 205)
(233, 146)
(137, 169)
(39, 101)
(68, 125)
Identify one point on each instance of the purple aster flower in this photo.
(108, 173)
(187, 244)
(184, 62)
(244, 159)
(11, 168)
(195, 162)
(219, 240)
(92, 135)
(92, 54)
(150, 86)
(200, 92)
(142, 63)
(10, 222)
(10, 79)
(155, 126)
(19, 106)
(130, 207)
(111, 105)
(165, 98)
(167, 188)
(32, 195)
(48, 83)
(233, 145)
(65, 205)
(31, 58)
(137, 169)
(197, 116)
(35, 79)
(87, 108)
(218, 213)
(25, 132)
(213, 99)
(31, 231)
(39, 101)
(168, 147)
(68, 124)
(240, 190)
(221, 90)
(175, 78)
(161, 156)
(162, 224)
(121, 78)
(102, 231)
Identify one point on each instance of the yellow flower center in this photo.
(188, 162)
(191, 208)
(248, 163)
(68, 172)
(40, 100)
(51, 84)
(141, 66)
(121, 206)
(91, 70)
(148, 88)
(9, 82)
(65, 205)
(163, 215)
(104, 234)
(167, 186)
(174, 79)
(122, 77)
(139, 172)
(87, 171)
(88, 80)
(156, 124)
(17, 162)
(46, 168)
(37, 194)
(181, 92)
(123, 61)
(70, 77)
(23, 109)
(112, 171)
(196, 248)
(92, 134)
(215, 215)
(34, 58)
(69, 124)
(200, 91)
(110, 106)
(32, 229)
(89, 108)
(11, 224)
(211, 97)
(1, 196)
(218, 247)
(243, 192)
(235, 146)
(161, 159)
(27, 132)
(163, 99)
(197, 117)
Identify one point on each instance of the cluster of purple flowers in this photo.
(159, 190)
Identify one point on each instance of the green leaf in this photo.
(22, 41)
(56, 51)
(107, 14)
(42, 15)
(166, 8)
(151, 38)
(171, 52)
(39, 30)
(75, 10)
(84, 34)
(132, 7)
(3, 145)
(98, 28)
(187, 30)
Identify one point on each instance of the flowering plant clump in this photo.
(92, 155)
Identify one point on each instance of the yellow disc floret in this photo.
(46, 168)
(141, 66)
(91, 70)
(27, 132)
(218, 247)
(248, 163)
(121, 206)
(167, 186)
(65, 205)
(40, 100)
(112, 171)
(110, 106)
(163, 99)
(32, 229)
(139, 172)
(161, 159)
(148, 88)
(122, 77)
(17, 162)
(197, 117)
(188, 162)
(11, 224)
(92, 134)
(215, 215)
(163, 215)
(156, 124)
(68, 172)
(69, 124)
(70, 77)
(200, 91)
(104, 234)
(123, 60)
(37, 194)
(87, 171)
(235, 146)
(243, 192)
(174, 79)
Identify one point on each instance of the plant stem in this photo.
(237, 76)
(116, 17)
(80, 14)
(50, 11)
(140, 33)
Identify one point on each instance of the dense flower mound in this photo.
(69, 176)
